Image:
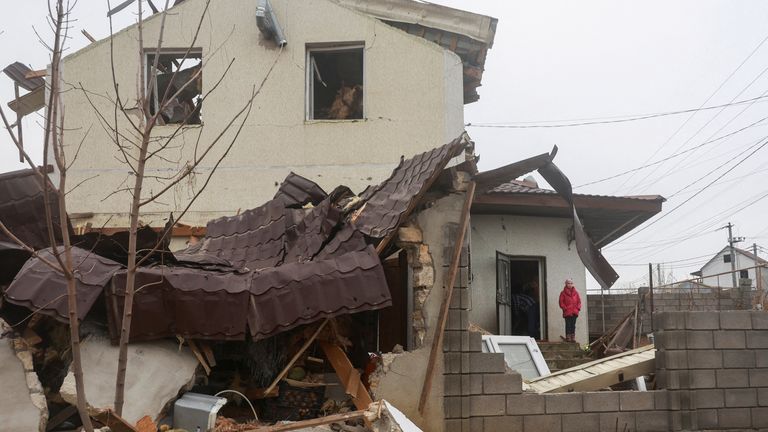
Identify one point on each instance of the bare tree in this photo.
(136, 145)
(58, 16)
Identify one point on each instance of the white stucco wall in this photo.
(717, 266)
(413, 102)
(525, 236)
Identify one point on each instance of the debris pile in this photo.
(274, 309)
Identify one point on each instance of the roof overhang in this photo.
(467, 34)
(605, 218)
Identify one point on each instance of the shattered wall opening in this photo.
(177, 91)
(335, 82)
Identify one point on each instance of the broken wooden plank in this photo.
(437, 341)
(88, 36)
(208, 352)
(29, 103)
(296, 357)
(113, 421)
(61, 416)
(36, 74)
(199, 356)
(347, 373)
(336, 418)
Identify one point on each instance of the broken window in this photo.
(521, 354)
(727, 258)
(178, 87)
(335, 83)
(744, 274)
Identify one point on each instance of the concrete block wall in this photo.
(617, 306)
(714, 366)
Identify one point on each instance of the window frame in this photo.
(491, 344)
(191, 54)
(309, 90)
(727, 258)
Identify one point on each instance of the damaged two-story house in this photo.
(353, 86)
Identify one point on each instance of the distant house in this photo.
(522, 233)
(717, 271)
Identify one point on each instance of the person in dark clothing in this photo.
(533, 313)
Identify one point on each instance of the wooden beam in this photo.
(36, 74)
(348, 375)
(29, 103)
(199, 356)
(114, 421)
(336, 418)
(296, 357)
(437, 341)
(61, 416)
(88, 36)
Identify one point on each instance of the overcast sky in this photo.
(564, 62)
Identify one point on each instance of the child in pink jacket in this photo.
(570, 303)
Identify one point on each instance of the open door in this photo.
(520, 295)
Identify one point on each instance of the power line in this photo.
(521, 125)
(765, 142)
(673, 155)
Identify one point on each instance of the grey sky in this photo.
(565, 60)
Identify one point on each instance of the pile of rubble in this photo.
(270, 317)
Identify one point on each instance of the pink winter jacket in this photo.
(570, 302)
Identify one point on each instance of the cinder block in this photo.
(705, 359)
(757, 339)
(701, 378)
(475, 384)
(731, 320)
(713, 398)
(475, 342)
(758, 377)
(759, 417)
(670, 339)
(480, 362)
(696, 320)
(466, 385)
(452, 385)
(464, 338)
(660, 399)
(465, 366)
(509, 383)
(483, 405)
(549, 423)
(741, 359)
(729, 339)
(635, 401)
(759, 320)
(525, 404)
(558, 403)
(740, 397)
(734, 418)
(452, 341)
(698, 339)
(476, 424)
(453, 425)
(503, 423)
(707, 419)
(732, 378)
(668, 321)
(589, 422)
(452, 362)
(452, 406)
(673, 359)
(617, 421)
(652, 421)
(601, 401)
(458, 319)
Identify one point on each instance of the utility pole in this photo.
(659, 279)
(650, 289)
(731, 241)
(758, 276)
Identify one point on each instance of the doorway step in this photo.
(563, 355)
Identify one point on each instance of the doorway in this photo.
(521, 295)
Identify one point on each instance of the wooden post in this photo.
(437, 341)
(650, 290)
(295, 357)
(18, 123)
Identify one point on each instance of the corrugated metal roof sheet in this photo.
(297, 191)
(37, 286)
(22, 209)
(518, 186)
(388, 204)
(17, 71)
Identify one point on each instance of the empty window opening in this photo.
(520, 296)
(177, 92)
(727, 258)
(335, 83)
(744, 274)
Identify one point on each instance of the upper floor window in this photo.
(178, 88)
(335, 82)
(727, 258)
